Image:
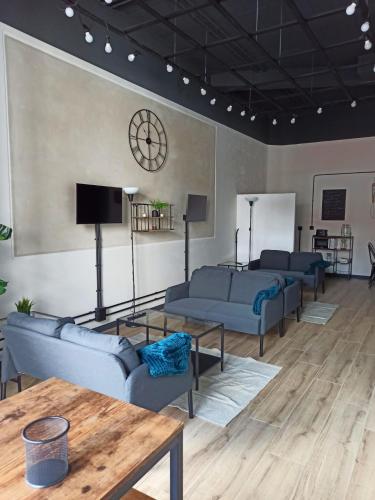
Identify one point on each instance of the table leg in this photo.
(197, 364)
(176, 470)
(147, 334)
(222, 347)
(117, 327)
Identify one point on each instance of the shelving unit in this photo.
(338, 245)
(143, 221)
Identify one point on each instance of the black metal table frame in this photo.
(219, 326)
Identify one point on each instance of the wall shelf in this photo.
(143, 221)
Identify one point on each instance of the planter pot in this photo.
(155, 213)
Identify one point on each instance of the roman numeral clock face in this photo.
(148, 140)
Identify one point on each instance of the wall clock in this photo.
(148, 140)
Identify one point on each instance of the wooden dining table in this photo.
(112, 444)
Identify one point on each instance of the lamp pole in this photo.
(251, 200)
(130, 192)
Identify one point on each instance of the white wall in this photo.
(291, 168)
(64, 283)
(273, 221)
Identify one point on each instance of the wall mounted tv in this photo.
(98, 204)
(196, 208)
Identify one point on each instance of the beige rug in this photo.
(316, 312)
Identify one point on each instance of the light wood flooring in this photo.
(310, 433)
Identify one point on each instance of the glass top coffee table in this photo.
(172, 323)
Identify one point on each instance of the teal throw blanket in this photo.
(322, 264)
(169, 356)
(262, 295)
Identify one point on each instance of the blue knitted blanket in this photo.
(323, 264)
(268, 293)
(169, 356)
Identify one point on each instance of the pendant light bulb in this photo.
(108, 46)
(243, 113)
(108, 2)
(131, 57)
(350, 9)
(213, 101)
(69, 11)
(229, 108)
(252, 118)
(319, 110)
(373, 68)
(203, 91)
(365, 26)
(186, 80)
(293, 120)
(274, 122)
(368, 44)
(88, 37)
(353, 104)
(169, 68)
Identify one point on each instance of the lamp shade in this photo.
(251, 199)
(130, 190)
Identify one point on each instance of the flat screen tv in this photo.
(98, 204)
(196, 208)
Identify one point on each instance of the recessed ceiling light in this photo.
(169, 68)
(213, 101)
(365, 26)
(368, 44)
(186, 80)
(319, 110)
(203, 91)
(252, 118)
(88, 36)
(353, 104)
(350, 9)
(69, 11)
(131, 57)
(274, 121)
(229, 108)
(243, 113)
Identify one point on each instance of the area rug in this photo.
(316, 312)
(223, 395)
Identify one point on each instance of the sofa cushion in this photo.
(246, 285)
(113, 344)
(210, 283)
(50, 327)
(237, 317)
(194, 308)
(274, 259)
(307, 279)
(300, 261)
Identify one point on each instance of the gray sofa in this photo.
(295, 264)
(108, 364)
(227, 296)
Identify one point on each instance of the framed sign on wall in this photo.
(333, 204)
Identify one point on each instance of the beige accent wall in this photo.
(67, 125)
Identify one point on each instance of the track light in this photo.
(319, 110)
(186, 80)
(350, 9)
(252, 117)
(365, 26)
(293, 120)
(108, 46)
(353, 104)
(229, 108)
(69, 11)
(88, 36)
(131, 57)
(203, 91)
(169, 68)
(243, 113)
(213, 101)
(368, 44)
(274, 121)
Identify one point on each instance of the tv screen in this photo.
(196, 208)
(98, 204)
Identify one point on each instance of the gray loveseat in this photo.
(295, 264)
(108, 364)
(227, 296)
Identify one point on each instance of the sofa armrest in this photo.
(8, 369)
(177, 292)
(154, 393)
(254, 265)
(272, 312)
(292, 297)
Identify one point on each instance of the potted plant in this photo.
(157, 206)
(24, 305)
(5, 234)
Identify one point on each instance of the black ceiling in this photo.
(273, 58)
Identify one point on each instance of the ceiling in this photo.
(276, 59)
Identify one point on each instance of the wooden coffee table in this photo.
(112, 444)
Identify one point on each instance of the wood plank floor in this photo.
(310, 433)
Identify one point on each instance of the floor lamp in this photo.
(130, 192)
(251, 200)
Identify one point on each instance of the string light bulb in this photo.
(350, 9)
(353, 104)
(88, 36)
(131, 57)
(274, 122)
(252, 118)
(319, 110)
(169, 68)
(108, 2)
(373, 68)
(293, 120)
(213, 101)
(365, 26)
(108, 46)
(243, 113)
(203, 91)
(186, 80)
(69, 11)
(368, 44)
(229, 108)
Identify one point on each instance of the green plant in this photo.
(5, 234)
(24, 305)
(158, 204)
